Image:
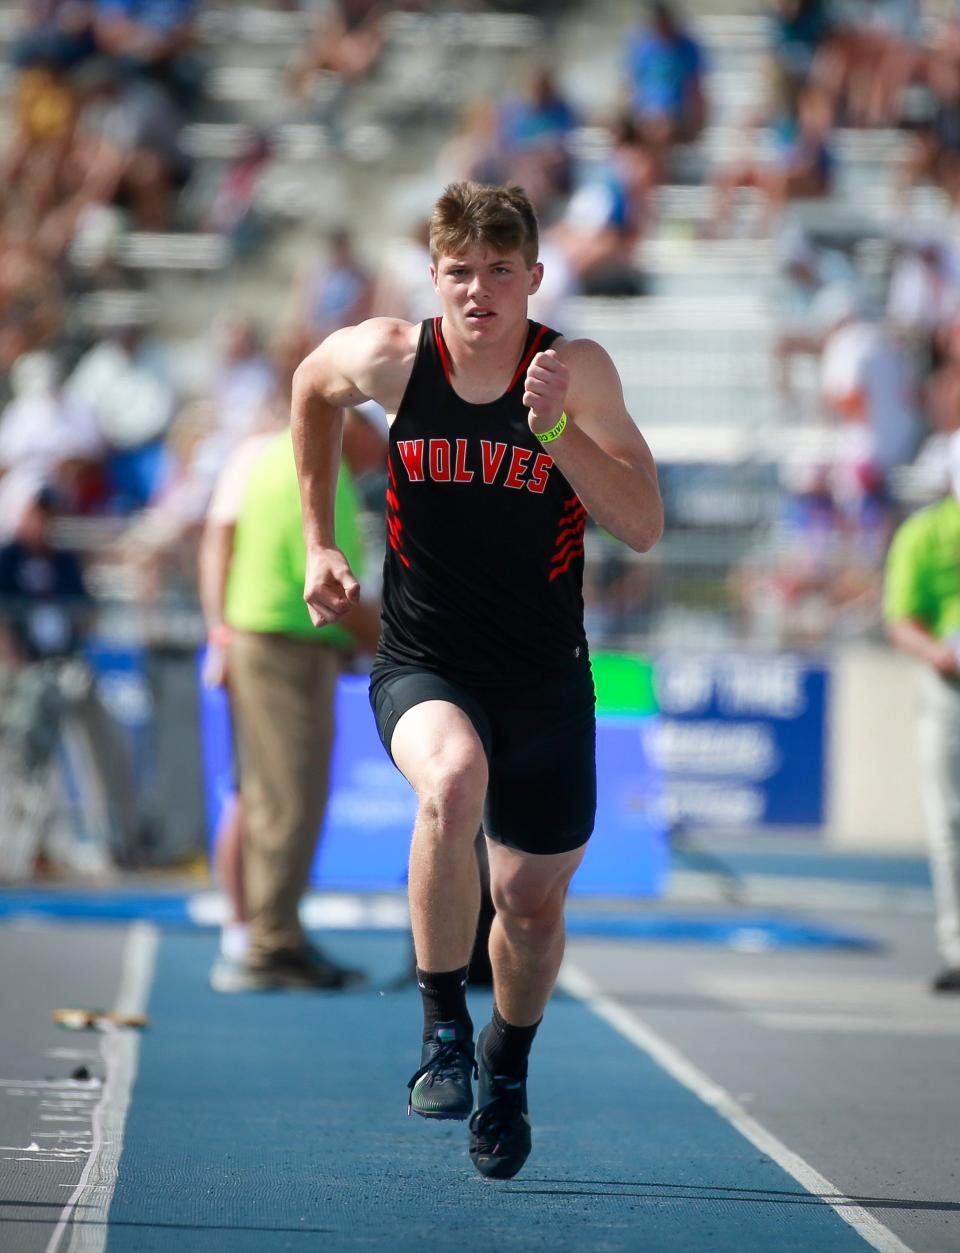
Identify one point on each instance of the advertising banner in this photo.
(742, 739)
(370, 816)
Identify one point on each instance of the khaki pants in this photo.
(940, 761)
(282, 696)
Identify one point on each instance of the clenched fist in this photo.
(545, 390)
(330, 588)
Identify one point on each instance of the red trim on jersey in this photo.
(441, 348)
(563, 550)
(570, 530)
(527, 358)
(396, 547)
(393, 520)
(518, 373)
(566, 565)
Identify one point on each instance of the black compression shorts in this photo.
(540, 743)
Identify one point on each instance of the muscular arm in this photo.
(912, 636)
(366, 362)
(601, 452)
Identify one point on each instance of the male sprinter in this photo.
(503, 436)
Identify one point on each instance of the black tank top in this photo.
(483, 573)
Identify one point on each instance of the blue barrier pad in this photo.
(746, 933)
(879, 869)
(743, 931)
(366, 836)
(170, 909)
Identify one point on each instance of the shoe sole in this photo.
(497, 1167)
(440, 1115)
(235, 981)
(222, 982)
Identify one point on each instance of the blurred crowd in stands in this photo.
(103, 91)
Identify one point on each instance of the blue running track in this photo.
(277, 1122)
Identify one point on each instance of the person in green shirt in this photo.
(922, 613)
(282, 676)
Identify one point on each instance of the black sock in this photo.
(444, 996)
(506, 1048)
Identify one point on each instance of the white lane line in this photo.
(580, 985)
(120, 1051)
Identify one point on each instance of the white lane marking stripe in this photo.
(580, 985)
(120, 1051)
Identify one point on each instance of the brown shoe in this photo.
(947, 980)
(304, 967)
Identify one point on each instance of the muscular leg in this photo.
(439, 752)
(437, 748)
(526, 948)
(527, 937)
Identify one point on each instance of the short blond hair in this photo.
(498, 218)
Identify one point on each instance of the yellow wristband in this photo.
(546, 436)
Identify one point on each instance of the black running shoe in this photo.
(500, 1139)
(443, 1087)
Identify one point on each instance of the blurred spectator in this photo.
(607, 216)
(345, 43)
(244, 379)
(364, 442)
(665, 70)
(124, 381)
(872, 53)
(152, 39)
(43, 118)
(282, 675)
(247, 402)
(56, 34)
(866, 385)
(941, 396)
(214, 557)
(48, 693)
(800, 165)
(32, 307)
(133, 149)
(474, 151)
(805, 267)
(549, 304)
(126, 153)
(922, 611)
(821, 579)
(404, 287)
(46, 435)
(534, 128)
(934, 154)
(923, 294)
(233, 208)
(45, 601)
(336, 291)
(799, 30)
(159, 548)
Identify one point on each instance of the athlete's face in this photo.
(484, 294)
